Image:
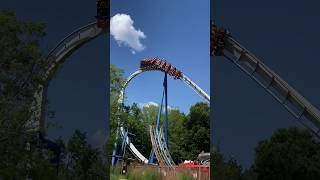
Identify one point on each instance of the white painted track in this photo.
(56, 57)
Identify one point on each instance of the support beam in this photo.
(165, 84)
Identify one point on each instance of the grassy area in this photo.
(148, 173)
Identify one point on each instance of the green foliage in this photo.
(116, 113)
(78, 160)
(197, 131)
(149, 173)
(184, 176)
(82, 155)
(21, 64)
(116, 80)
(180, 129)
(176, 135)
(289, 154)
(249, 174)
(227, 169)
(139, 121)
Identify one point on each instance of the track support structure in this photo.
(302, 110)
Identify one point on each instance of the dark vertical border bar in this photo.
(211, 94)
(211, 116)
(103, 21)
(108, 82)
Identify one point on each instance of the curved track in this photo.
(183, 77)
(160, 147)
(223, 44)
(56, 58)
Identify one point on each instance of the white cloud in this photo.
(123, 31)
(148, 104)
(151, 103)
(172, 108)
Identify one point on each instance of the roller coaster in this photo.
(223, 44)
(159, 139)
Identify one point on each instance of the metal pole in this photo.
(165, 83)
(115, 149)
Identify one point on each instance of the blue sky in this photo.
(178, 33)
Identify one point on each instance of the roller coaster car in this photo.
(146, 63)
(102, 13)
(142, 64)
(217, 37)
(167, 67)
(158, 62)
(177, 74)
(155, 63)
(162, 65)
(212, 42)
(149, 63)
(171, 71)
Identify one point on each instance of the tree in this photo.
(117, 113)
(116, 80)
(78, 160)
(249, 174)
(289, 154)
(21, 64)
(180, 129)
(176, 134)
(81, 155)
(21, 68)
(139, 125)
(222, 168)
(197, 130)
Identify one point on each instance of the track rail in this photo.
(154, 147)
(56, 57)
(71, 43)
(161, 145)
(184, 78)
(288, 97)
